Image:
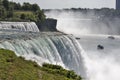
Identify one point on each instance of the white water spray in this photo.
(100, 64)
(54, 48)
(79, 23)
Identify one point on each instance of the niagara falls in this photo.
(92, 34)
(59, 40)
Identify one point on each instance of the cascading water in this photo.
(81, 55)
(54, 48)
(19, 26)
(100, 64)
(76, 22)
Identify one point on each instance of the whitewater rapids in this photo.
(50, 47)
(19, 26)
(101, 64)
(81, 54)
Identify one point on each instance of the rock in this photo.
(8, 38)
(100, 47)
(111, 37)
(77, 38)
(48, 25)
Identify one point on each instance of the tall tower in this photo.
(118, 4)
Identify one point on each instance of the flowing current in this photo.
(100, 64)
(50, 47)
(80, 54)
(19, 26)
(25, 40)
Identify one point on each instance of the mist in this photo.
(100, 64)
(81, 22)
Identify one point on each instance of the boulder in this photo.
(48, 25)
(100, 47)
(77, 38)
(111, 37)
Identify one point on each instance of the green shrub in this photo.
(52, 66)
(17, 68)
(59, 70)
(22, 16)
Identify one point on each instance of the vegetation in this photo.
(58, 69)
(12, 11)
(17, 68)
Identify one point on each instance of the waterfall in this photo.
(100, 64)
(19, 26)
(51, 48)
(77, 22)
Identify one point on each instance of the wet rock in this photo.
(111, 37)
(100, 47)
(48, 25)
(8, 38)
(77, 38)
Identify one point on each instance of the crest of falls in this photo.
(54, 48)
(19, 26)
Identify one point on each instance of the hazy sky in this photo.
(48, 4)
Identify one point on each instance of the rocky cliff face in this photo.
(48, 25)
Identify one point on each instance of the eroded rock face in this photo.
(48, 25)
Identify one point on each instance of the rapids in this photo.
(99, 64)
(19, 26)
(50, 47)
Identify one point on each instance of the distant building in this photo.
(118, 4)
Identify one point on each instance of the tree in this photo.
(40, 16)
(17, 6)
(0, 2)
(31, 12)
(10, 14)
(6, 4)
(2, 12)
(26, 6)
(35, 7)
(22, 16)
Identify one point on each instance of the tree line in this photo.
(95, 13)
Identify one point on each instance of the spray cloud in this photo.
(84, 22)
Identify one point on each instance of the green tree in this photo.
(17, 6)
(10, 14)
(27, 6)
(2, 12)
(35, 7)
(0, 2)
(6, 4)
(10, 11)
(22, 16)
(40, 15)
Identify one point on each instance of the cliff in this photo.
(48, 25)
